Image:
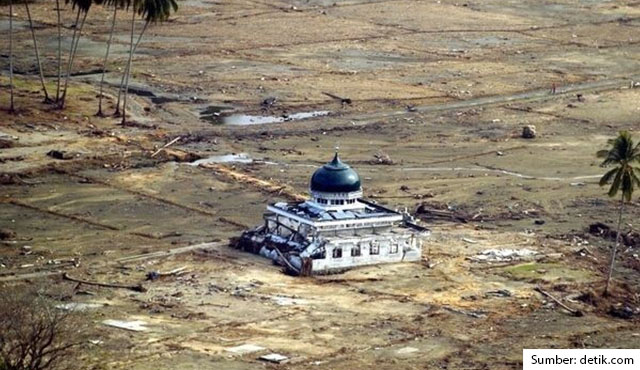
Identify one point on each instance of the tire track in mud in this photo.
(525, 96)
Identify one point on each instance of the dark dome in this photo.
(335, 177)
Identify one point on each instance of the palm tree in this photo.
(622, 154)
(151, 11)
(11, 106)
(116, 4)
(35, 47)
(83, 7)
(59, 51)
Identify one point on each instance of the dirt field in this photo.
(441, 87)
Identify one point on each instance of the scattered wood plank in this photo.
(342, 100)
(574, 312)
(136, 288)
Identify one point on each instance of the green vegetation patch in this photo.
(547, 272)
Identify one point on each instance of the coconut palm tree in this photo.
(83, 7)
(11, 106)
(622, 154)
(116, 4)
(59, 56)
(152, 11)
(35, 47)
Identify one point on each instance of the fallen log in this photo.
(342, 100)
(166, 146)
(136, 288)
(574, 312)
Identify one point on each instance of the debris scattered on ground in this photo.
(288, 301)
(178, 155)
(275, 358)
(227, 158)
(407, 350)
(136, 325)
(78, 306)
(476, 314)
(504, 255)
(427, 211)
(135, 288)
(269, 102)
(155, 275)
(381, 157)
(623, 311)
(62, 154)
(529, 132)
(630, 239)
(572, 311)
(166, 146)
(245, 349)
(498, 293)
(343, 101)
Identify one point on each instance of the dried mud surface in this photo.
(442, 88)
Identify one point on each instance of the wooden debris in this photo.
(166, 146)
(342, 100)
(135, 288)
(574, 312)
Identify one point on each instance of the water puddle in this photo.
(220, 115)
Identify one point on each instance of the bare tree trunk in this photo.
(128, 72)
(59, 52)
(35, 47)
(72, 54)
(11, 106)
(615, 248)
(104, 64)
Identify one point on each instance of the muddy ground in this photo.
(442, 88)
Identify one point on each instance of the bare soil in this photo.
(441, 88)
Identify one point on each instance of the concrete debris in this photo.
(275, 358)
(381, 157)
(502, 255)
(244, 349)
(288, 301)
(227, 158)
(407, 350)
(529, 132)
(77, 306)
(136, 325)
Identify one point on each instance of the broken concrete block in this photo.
(244, 349)
(275, 358)
(136, 325)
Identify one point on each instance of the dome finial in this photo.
(336, 158)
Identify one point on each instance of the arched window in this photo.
(355, 251)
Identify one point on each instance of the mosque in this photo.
(335, 229)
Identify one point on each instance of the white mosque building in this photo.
(336, 229)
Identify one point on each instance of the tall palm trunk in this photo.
(104, 64)
(35, 47)
(72, 53)
(59, 52)
(615, 247)
(11, 106)
(128, 71)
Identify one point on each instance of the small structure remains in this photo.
(336, 229)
